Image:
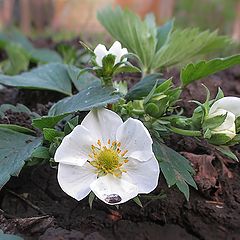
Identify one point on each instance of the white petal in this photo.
(231, 104)
(113, 190)
(228, 133)
(135, 138)
(75, 180)
(100, 52)
(124, 52)
(229, 122)
(143, 174)
(103, 124)
(116, 50)
(75, 147)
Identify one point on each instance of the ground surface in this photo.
(34, 206)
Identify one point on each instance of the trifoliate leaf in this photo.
(202, 69)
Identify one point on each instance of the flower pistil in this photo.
(108, 159)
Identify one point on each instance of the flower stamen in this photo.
(108, 159)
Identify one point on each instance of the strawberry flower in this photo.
(112, 158)
(115, 50)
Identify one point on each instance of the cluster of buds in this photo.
(161, 98)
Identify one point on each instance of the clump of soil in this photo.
(8, 95)
(18, 118)
(32, 99)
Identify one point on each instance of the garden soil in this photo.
(33, 205)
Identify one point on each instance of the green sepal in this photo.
(234, 141)
(207, 134)
(214, 122)
(162, 106)
(138, 201)
(87, 48)
(152, 109)
(227, 152)
(54, 145)
(71, 124)
(219, 95)
(237, 124)
(50, 134)
(164, 86)
(91, 198)
(108, 65)
(219, 139)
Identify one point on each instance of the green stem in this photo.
(138, 112)
(107, 81)
(186, 132)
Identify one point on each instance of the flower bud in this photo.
(156, 108)
(116, 50)
(229, 107)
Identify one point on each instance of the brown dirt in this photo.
(212, 213)
(21, 119)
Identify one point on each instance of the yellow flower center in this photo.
(108, 159)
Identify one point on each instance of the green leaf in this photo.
(92, 97)
(50, 133)
(68, 52)
(227, 152)
(41, 152)
(17, 37)
(176, 168)
(183, 187)
(15, 149)
(158, 47)
(53, 76)
(202, 69)
(37, 54)
(138, 36)
(183, 45)
(48, 121)
(17, 60)
(163, 33)
(45, 55)
(18, 128)
(85, 79)
(9, 237)
(150, 20)
(143, 87)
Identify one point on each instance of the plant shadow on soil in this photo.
(33, 205)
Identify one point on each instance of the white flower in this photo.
(231, 107)
(111, 158)
(116, 50)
